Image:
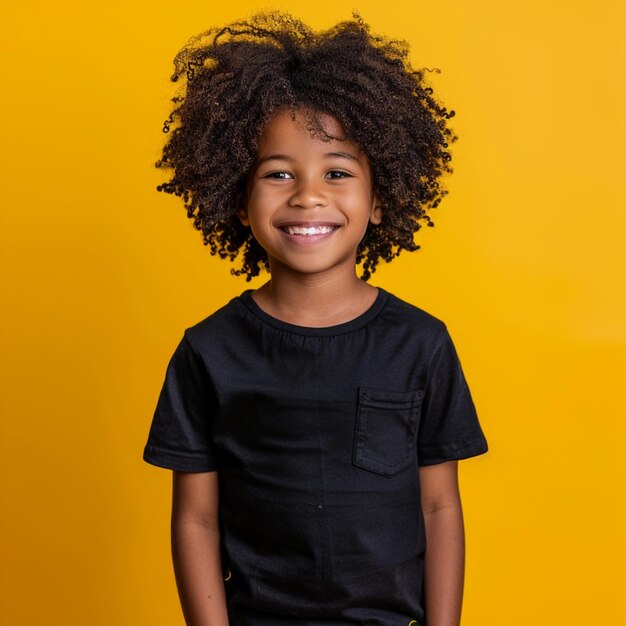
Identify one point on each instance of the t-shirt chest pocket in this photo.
(386, 429)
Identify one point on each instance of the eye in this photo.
(338, 174)
(278, 175)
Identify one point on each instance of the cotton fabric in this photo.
(318, 435)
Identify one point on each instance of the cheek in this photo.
(259, 199)
(259, 216)
(263, 202)
(360, 204)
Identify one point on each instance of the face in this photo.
(308, 201)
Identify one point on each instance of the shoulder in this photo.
(400, 313)
(221, 323)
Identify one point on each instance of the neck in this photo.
(315, 300)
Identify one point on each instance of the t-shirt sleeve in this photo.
(179, 437)
(449, 428)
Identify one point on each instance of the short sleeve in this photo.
(179, 437)
(449, 428)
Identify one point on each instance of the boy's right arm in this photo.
(196, 548)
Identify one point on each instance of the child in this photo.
(313, 425)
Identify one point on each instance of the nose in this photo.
(308, 194)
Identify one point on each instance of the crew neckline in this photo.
(322, 331)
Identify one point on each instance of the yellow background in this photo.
(525, 264)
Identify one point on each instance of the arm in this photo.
(445, 544)
(196, 548)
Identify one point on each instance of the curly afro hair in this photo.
(238, 77)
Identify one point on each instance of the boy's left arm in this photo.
(445, 544)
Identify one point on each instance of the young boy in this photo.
(313, 425)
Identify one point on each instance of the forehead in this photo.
(302, 128)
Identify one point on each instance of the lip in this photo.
(306, 240)
(305, 223)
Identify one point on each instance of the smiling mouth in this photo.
(309, 231)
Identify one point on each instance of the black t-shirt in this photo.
(317, 434)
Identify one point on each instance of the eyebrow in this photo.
(284, 157)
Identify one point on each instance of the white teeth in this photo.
(310, 230)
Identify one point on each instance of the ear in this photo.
(376, 214)
(241, 209)
(242, 213)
